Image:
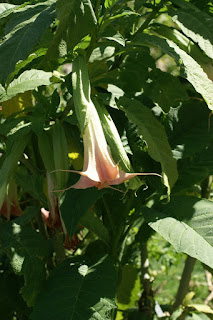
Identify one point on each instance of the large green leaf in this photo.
(78, 289)
(196, 25)
(189, 135)
(195, 169)
(164, 89)
(22, 33)
(189, 68)
(28, 80)
(76, 20)
(183, 237)
(154, 134)
(197, 213)
(11, 301)
(26, 248)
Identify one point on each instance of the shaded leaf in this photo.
(194, 170)
(94, 224)
(164, 89)
(76, 20)
(154, 134)
(26, 248)
(75, 203)
(189, 68)
(187, 128)
(78, 289)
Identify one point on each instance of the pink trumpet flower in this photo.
(99, 169)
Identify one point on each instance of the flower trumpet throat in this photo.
(99, 168)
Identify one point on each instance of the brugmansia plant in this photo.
(120, 93)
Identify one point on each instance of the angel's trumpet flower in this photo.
(99, 169)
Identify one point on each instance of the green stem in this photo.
(97, 5)
(57, 240)
(108, 214)
(146, 302)
(184, 282)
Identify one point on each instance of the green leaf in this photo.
(183, 237)
(196, 213)
(28, 80)
(185, 5)
(164, 89)
(196, 25)
(32, 184)
(109, 3)
(75, 203)
(23, 63)
(194, 170)
(11, 301)
(78, 289)
(94, 224)
(113, 35)
(22, 33)
(154, 134)
(189, 68)
(201, 316)
(189, 135)
(76, 20)
(201, 308)
(6, 9)
(26, 248)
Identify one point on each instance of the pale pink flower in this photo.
(99, 168)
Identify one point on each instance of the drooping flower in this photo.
(99, 168)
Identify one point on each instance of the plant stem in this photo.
(146, 302)
(58, 247)
(184, 282)
(97, 5)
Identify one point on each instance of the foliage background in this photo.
(83, 254)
